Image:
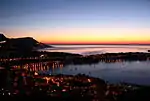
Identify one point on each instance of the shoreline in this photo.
(69, 58)
(75, 59)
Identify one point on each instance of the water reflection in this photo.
(41, 66)
(132, 72)
(113, 71)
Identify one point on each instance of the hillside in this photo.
(2, 37)
(20, 44)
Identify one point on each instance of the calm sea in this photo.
(97, 49)
(137, 72)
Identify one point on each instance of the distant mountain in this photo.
(23, 44)
(2, 38)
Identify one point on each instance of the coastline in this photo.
(75, 59)
(103, 88)
(67, 58)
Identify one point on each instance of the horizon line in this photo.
(91, 44)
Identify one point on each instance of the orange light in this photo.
(36, 73)
(89, 80)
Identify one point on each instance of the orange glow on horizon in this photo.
(138, 42)
(97, 40)
(97, 36)
(84, 41)
(86, 35)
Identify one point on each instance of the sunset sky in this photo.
(77, 21)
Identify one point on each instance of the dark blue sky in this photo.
(25, 16)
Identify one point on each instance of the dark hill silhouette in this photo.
(27, 43)
(24, 44)
(2, 37)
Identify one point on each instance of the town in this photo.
(31, 74)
